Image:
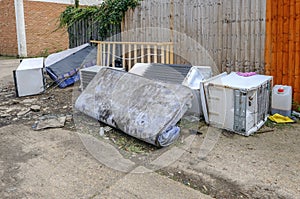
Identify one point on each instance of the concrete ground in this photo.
(57, 163)
(265, 165)
(6, 68)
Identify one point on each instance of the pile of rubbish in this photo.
(148, 101)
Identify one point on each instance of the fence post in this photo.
(123, 56)
(162, 52)
(99, 54)
(171, 53)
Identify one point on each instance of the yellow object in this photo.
(280, 119)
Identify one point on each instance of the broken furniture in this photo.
(237, 103)
(28, 77)
(126, 54)
(63, 67)
(146, 109)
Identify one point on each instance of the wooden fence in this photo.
(83, 31)
(231, 33)
(126, 54)
(283, 43)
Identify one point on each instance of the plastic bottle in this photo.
(282, 100)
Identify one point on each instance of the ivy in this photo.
(109, 12)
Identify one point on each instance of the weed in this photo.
(273, 125)
(296, 106)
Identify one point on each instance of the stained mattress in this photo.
(63, 67)
(143, 108)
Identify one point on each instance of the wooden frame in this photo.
(130, 53)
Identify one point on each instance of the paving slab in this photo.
(150, 185)
(55, 164)
(6, 68)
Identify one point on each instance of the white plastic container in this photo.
(282, 100)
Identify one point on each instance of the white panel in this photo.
(29, 82)
(31, 63)
(29, 77)
(56, 57)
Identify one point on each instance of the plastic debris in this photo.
(280, 119)
(101, 132)
(247, 74)
(295, 113)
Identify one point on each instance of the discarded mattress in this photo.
(63, 67)
(187, 75)
(140, 107)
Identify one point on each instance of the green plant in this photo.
(44, 53)
(280, 126)
(109, 12)
(296, 106)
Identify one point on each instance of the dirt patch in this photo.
(265, 165)
(27, 110)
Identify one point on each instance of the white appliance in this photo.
(87, 74)
(237, 103)
(29, 78)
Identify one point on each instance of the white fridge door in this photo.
(29, 82)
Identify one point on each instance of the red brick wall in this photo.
(8, 36)
(41, 21)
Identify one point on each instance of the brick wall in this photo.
(8, 36)
(41, 21)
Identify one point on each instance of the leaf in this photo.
(109, 12)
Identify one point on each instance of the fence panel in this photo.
(283, 43)
(84, 31)
(229, 33)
